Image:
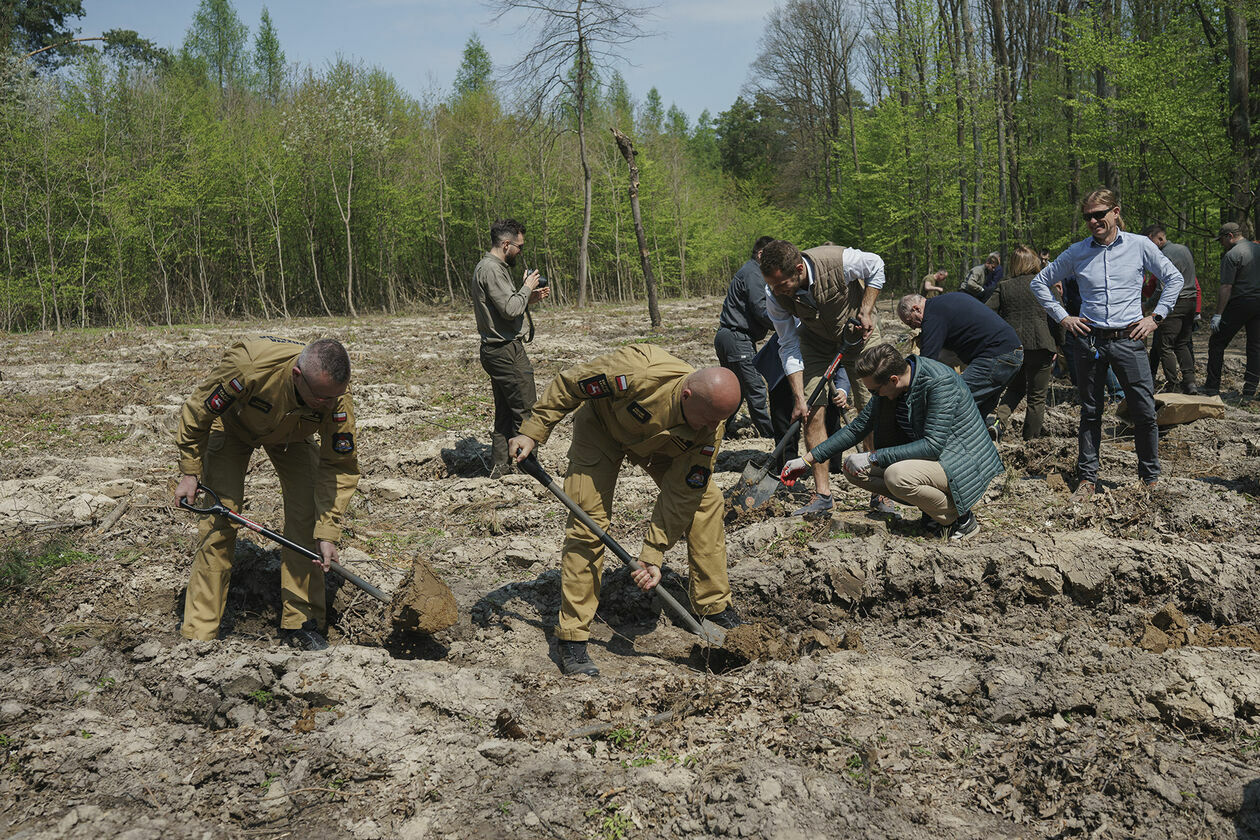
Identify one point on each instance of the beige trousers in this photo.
(919, 483)
(594, 464)
(301, 582)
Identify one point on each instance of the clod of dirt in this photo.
(423, 602)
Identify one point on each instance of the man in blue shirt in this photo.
(1110, 330)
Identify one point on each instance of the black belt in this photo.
(1110, 335)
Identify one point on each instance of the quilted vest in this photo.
(837, 300)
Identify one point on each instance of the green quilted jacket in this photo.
(945, 426)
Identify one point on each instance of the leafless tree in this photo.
(574, 39)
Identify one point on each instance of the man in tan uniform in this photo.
(643, 404)
(274, 393)
(501, 310)
(821, 299)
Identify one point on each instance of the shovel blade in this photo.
(754, 488)
(711, 634)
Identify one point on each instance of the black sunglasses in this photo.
(1098, 215)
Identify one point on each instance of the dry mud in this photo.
(1076, 670)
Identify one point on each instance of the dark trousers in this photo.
(735, 352)
(1172, 345)
(1238, 314)
(512, 382)
(1032, 380)
(782, 403)
(1132, 367)
(987, 376)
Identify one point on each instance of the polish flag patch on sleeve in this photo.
(339, 417)
(708, 450)
(623, 382)
(235, 385)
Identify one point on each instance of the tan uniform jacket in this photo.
(251, 395)
(636, 395)
(837, 298)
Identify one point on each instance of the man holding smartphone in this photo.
(501, 310)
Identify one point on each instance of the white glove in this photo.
(1215, 325)
(859, 463)
(793, 469)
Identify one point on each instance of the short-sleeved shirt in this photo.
(1240, 268)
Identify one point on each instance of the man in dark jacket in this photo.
(936, 455)
(741, 325)
(960, 323)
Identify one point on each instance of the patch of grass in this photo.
(260, 697)
(614, 825)
(31, 566)
(623, 737)
(1249, 744)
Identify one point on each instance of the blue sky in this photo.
(698, 60)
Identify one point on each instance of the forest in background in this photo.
(144, 185)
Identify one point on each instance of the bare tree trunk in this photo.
(1242, 195)
(1004, 116)
(584, 246)
(973, 80)
(627, 151)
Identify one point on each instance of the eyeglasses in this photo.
(315, 396)
(1097, 215)
(875, 391)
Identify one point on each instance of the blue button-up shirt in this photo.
(1110, 280)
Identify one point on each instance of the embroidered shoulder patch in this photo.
(698, 477)
(219, 400)
(260, 404)
(595, 386)
(708, 450)
(339, 416)
(638, 412)
(343, 442)
(235, 385)
(684, 445)
(623, 382)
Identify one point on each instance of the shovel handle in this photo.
(531, 466)
(219, 509)
(796, 424)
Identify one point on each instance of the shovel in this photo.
(705, 629)
(756, 485)
(219, 509)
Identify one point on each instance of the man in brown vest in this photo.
(819, 300)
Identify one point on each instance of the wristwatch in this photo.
(1159, 319)
(873, 461)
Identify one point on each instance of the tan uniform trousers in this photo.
(919, 483)
(594, 464)
(301, 581)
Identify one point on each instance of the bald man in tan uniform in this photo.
(642, 404)
(277, 394)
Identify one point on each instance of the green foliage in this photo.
(268, 58)
(32, 566)
(613, 825)
(473, 76)
(260, 697)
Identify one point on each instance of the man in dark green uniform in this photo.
(501, 310)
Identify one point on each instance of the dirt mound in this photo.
(423, 602)
(1169, 629)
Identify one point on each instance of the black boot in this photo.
(574, 661)
(306, 637)
(727, 619)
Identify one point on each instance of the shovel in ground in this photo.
(421, 588)
(757, 485)
(705, 629)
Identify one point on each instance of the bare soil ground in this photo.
(1076, 670)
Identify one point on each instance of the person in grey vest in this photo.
(822, 301)
(1172, 344)
(741, 325)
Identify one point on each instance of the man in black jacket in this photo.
(957, 322)
(742, 324)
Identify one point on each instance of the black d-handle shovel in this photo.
(705, 629)
(219, 509)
